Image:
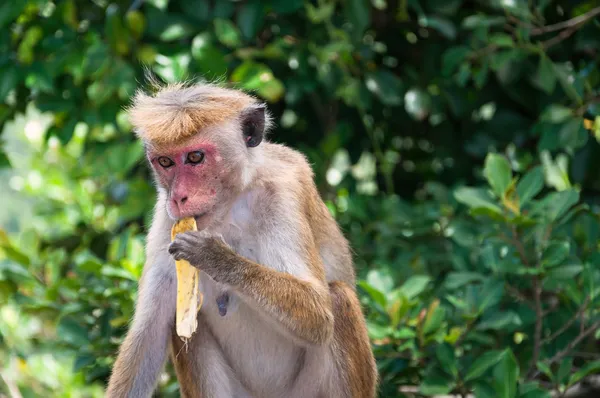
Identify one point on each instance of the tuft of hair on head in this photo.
(170, 113)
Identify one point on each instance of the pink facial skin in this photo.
(193, 189)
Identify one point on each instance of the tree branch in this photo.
(570, 23)
(564, 352)
(462, 337)
(581, 110)
(539, 319)
(569, 322)
(564, 35)
(519, 246)
(573, 343)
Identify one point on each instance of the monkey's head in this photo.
(202, 142)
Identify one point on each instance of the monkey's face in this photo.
(197, 179)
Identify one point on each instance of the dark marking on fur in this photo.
(222, 303)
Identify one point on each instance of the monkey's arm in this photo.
(143, 353)
(302, 307)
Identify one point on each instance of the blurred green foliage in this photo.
(447, 136)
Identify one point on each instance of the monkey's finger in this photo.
(189, 237)
(176, 250)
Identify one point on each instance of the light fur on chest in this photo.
(245, 337)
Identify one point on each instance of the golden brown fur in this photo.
(178, 111)
(294, 326)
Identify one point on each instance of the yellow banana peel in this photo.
(189, 298)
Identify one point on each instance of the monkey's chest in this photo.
(256, 352)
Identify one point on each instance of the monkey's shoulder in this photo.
(288, 159)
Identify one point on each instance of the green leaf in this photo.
(377, 332)
(480, 75)
(82, 361)
(555, 172)
(483, 363)
(566, 79)
(4, 161)
(491, 293)
(573, 135)
(454, 280)
(358, 13)
(114, 272)
(71, 331)
(10, 10)
(476, 198)
(442, 25)
(223, 9)
(250, 18)
(435, 382)
(227, 33)
(452, 59)
(209, 59)
(434, 320)
(555, 204)
(386, 86)
(489, 257)
(564, 272)
(498, 173)
(381, 280)
(564, 369)
(445, 355)
(544, 368)
(374, 293)
(555, 253)
(480, 20)
(10, 78)
(13, 271)
(483, 390)
(319, 14)
(286, 6)
(530, 185)
(176, 31)
(545, 77)
(114, 30)
(588, 369)
(415, 285)
(506, 374)
(500, 321)
(502, 40)
(255, 76)
(556, 113)
(397, 308)
(16, 255)
(533, 392)
(198, 10)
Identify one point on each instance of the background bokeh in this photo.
(455, 141)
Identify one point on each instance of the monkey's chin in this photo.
(201, 220)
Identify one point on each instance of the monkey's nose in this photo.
(180, 201)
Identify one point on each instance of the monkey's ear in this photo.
(253, 125)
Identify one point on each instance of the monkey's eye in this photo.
(165, 162)
(195, 157)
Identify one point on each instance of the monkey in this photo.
(281, 315)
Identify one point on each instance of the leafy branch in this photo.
(568, 324)
(567, 350)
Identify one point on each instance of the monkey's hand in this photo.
(301, 307)
(201, 249)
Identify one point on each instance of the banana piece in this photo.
(189, 298)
